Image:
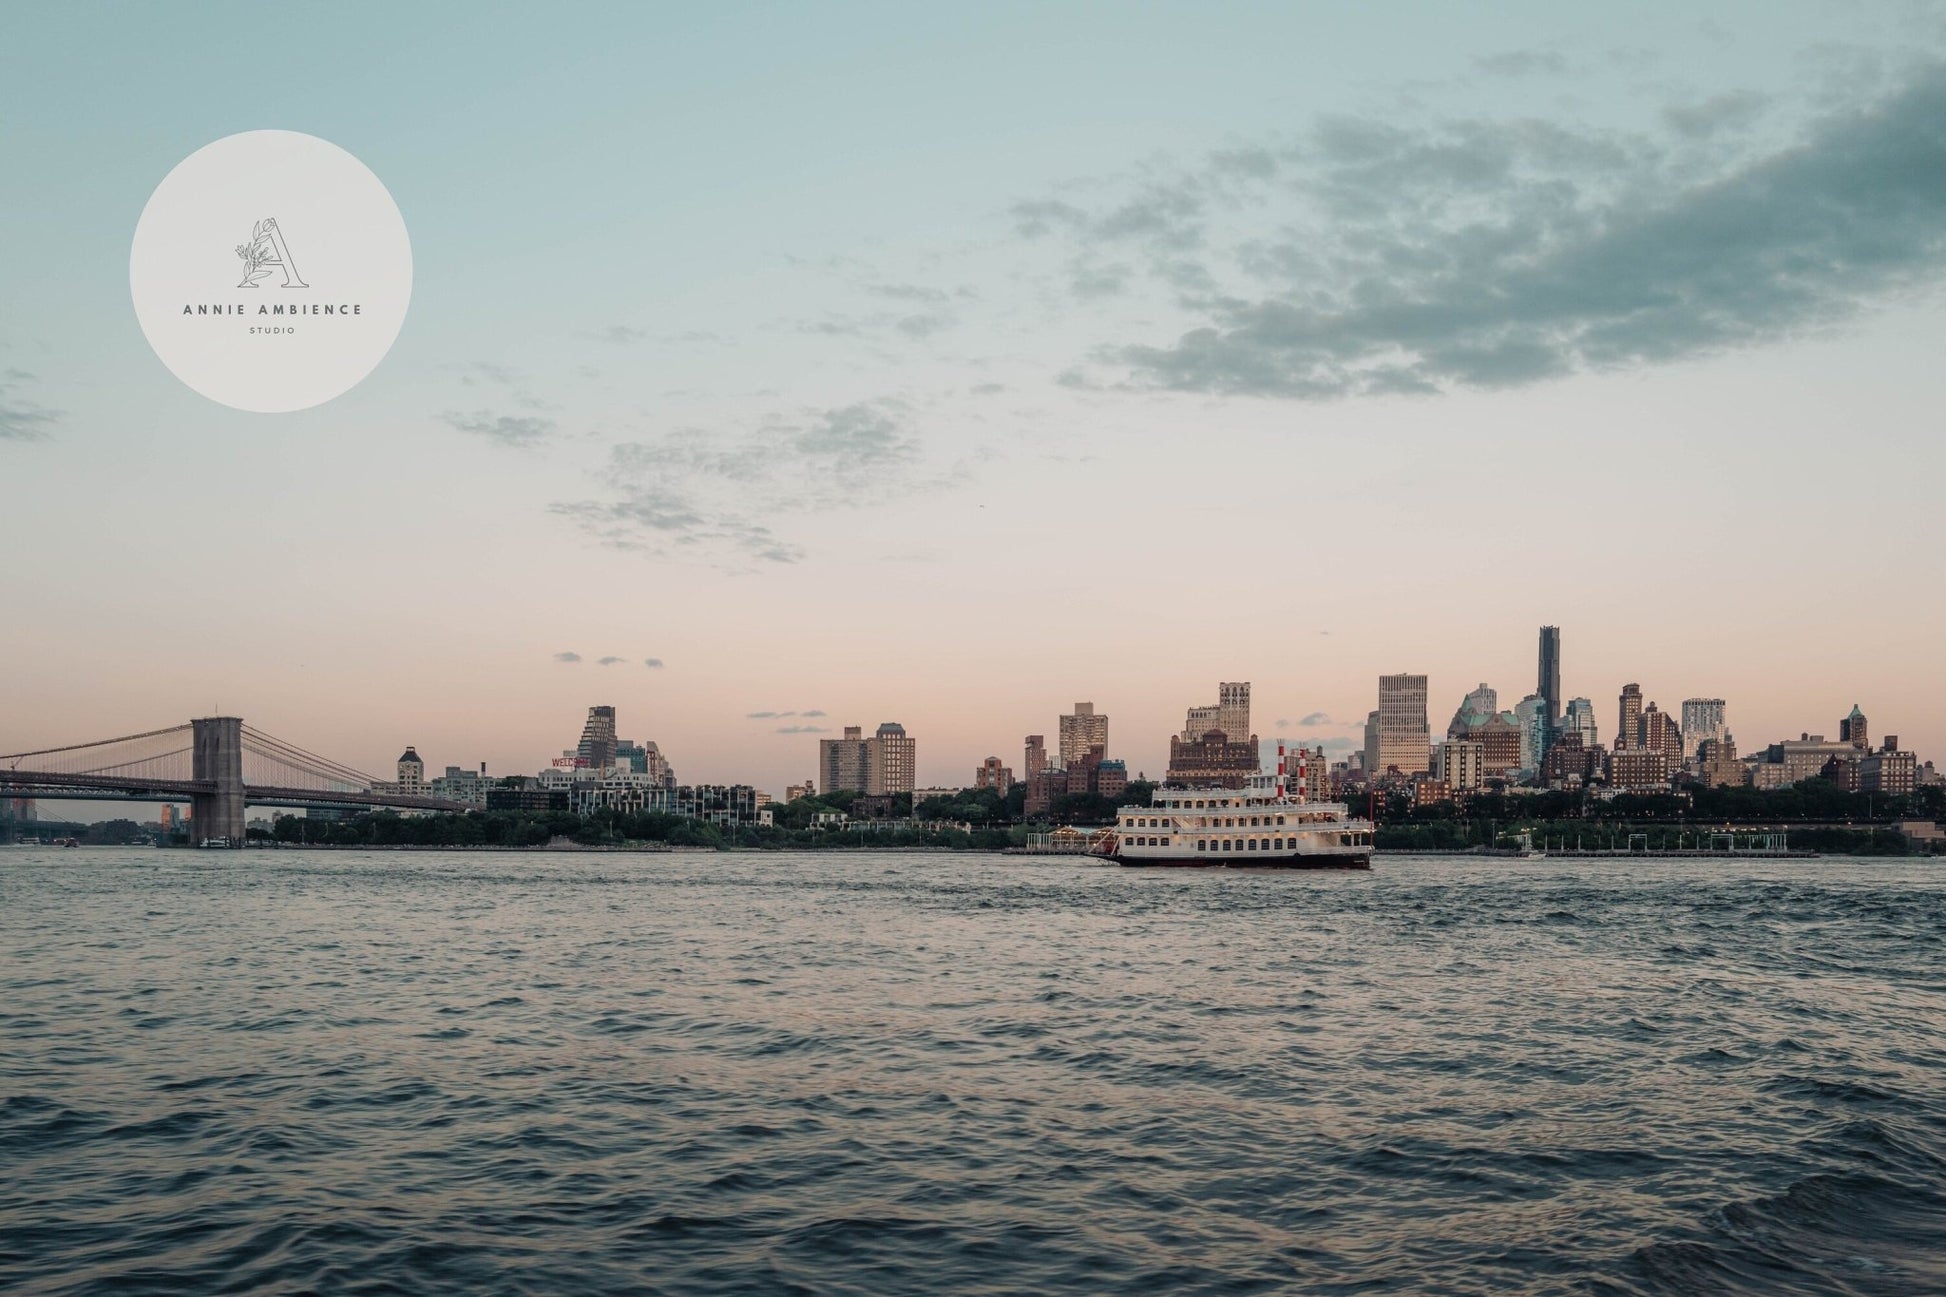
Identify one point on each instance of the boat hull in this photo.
(1361, 860)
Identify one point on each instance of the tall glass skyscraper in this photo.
(1549, 687)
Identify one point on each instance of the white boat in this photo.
(1258, 826)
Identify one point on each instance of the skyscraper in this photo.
(1702, 720)
(1230, 713)
(1034, 759)
(1080, 730)
(842, 761)
(1233, 709)
(1530, 714)
(1579, 718)
(1854, 730)
(893, 760)
(1661, 734)
(882, 764)
(1404, 737)
(1549, 687)
(1475, 709)
(1628, 722)
(597, 746)
(412, 774)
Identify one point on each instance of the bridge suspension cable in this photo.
(290, 757)
(16, 757)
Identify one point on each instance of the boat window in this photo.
(1199, 844)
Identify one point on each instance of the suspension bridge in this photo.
(217, 763)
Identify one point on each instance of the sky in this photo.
(771, 369)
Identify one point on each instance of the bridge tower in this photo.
(218, 758)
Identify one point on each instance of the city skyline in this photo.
(938, 763)
(570, 484)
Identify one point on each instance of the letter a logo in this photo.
(266, 249)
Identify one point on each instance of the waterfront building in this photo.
(1429, 790)
(893, 760)
(1659, 733)
(1638, 768)
(1230, 713)
(992, 774)
(1404, 737)
(644, 758)
(1474, 709)
(1084, 772)
(1368, 755)
(1580, 719)
(798, 792)
(1460, 765)
(1308, 776)
(1549, 684)
(1043, 786)
(1571, 763)
(1794, 760)
(1034, 760)
(1628, 722)
(920, 795)
(527, 796)
(461, 784)
(1702, 720)
(842, 761)
(1888, 770)
(596, 749)
(1111, 778)
(879, 766)
(1212, 761)
(1530, 717)
(648, 759)
(1717, 765)
(1854, 730)
(1844, 773)
(1080, 730)
(1500, 743)
(412, 775)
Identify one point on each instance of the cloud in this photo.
(717, 494)
(476, 373)
(925, 324)
(1378, 258)
(768, 716)
(803, 729)
(621, 334)
(567, 657)
(909, 292)
(22, 419)
(1316, 718)
(1728, 112)
(502, 430)
(1522, 63)
(654, 663)
(607, 661)
(813, 712)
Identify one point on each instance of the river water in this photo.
(906, 1073)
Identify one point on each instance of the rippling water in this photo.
(884, 1074)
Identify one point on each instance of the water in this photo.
(886, 1074)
